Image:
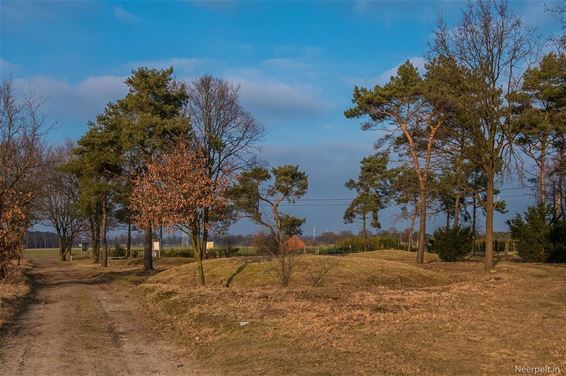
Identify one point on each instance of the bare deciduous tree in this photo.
(59, 203)
(226, 133)
(21, 163)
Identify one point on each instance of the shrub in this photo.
(531, 234)
(222, 252)
(557, 242)
(175, 252)
(356, 244)
(389, 242)
(265, 244)
(330, 251)
(316, 276)
(452, 244)
(118, 251)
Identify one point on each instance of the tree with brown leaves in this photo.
(176, 192)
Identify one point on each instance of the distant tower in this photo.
(313, 234)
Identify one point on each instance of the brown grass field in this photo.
(375, 313)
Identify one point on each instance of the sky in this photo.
(296, 64)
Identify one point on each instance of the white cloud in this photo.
(16, 15)
(183, 66)
(274, 100)
(81, 101)
(289, 64)
(6, 68)
(417, 61)
(384, 77)
(536, 14)
(270, 100)
(125, 16)
(308, 51)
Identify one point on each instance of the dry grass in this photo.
(375, 313)
(13, 292)
(394, 255)
(359, 270)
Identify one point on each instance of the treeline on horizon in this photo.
(49, 239)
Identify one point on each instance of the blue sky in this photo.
(296, 64)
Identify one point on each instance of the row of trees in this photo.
(168, 154)
(163, 156)
(173, 155)
(483, 102)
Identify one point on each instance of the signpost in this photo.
(156, 248)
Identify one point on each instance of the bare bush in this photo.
(317, 276)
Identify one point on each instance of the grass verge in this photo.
(13, 293)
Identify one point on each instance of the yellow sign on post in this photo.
(209, 245)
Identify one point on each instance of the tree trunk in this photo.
(422, 223)
(147, 249)
(411, 229)
(364, 229)
(474, 211)
(129, 240)
(197, 251)
(542, 179)
(96, 244)
(92, 232)
(457, 210)
(559, 197)
(62, 247)
(104, 225)
(489, 206)
(204, 234)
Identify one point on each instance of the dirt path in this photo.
(76, 324)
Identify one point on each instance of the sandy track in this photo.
(78, 325)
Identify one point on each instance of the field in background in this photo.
(45, 252)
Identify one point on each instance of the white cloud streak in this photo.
(80, 101)
(125, 16)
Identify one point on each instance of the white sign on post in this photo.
(156, 249)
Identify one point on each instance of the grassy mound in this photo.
(395, 255)
(372, 313)
(381, 268)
